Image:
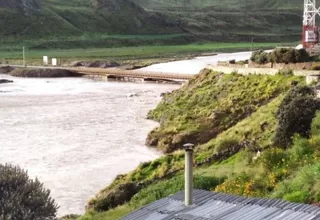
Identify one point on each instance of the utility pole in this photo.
(24, 56)
(251, 43)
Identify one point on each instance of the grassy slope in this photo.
(227, 3)
(219, 103)
(252, 132)
(235, 19)
(74, 24)
(76, 17)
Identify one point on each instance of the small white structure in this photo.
(312, 78)
(257, 156)
(45, 60)
(54, 61)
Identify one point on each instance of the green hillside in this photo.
(248, 4)
(232, 20)
(229, 118)
(75, 17)
(90, 24)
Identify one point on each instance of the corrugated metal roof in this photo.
(219, 206)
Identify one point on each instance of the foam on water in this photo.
(195, 65)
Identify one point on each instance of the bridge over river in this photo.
(182, 70)
(132, 74)
(118, 73)
(172, 71)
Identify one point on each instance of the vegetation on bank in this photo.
(24, 198)
(275, 115)
(210, 104)
(280, 55)
(230, 156)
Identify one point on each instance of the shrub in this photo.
(226, 144)
(123, 193)
(281, 55)
(315, 126)
(165, 188)
(295, 115)
(302, 56)
(243, 184)
(285, 72)
(23, 198)
(302, 187)
(70, 217)
(289, 55)
(273, 158)
(298, 196)
(301, 147)
(316, 67)
(260, 57)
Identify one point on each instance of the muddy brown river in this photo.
(76, 134)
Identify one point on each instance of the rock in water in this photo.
(44, 73)
(132, 95)
(6, 69)
(5, 81)
(97, 64)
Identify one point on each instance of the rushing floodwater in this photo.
(76, 134)
(193, 66)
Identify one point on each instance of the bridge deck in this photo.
(115, 72)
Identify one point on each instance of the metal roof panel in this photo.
(219, 206)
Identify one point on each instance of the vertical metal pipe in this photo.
(24, 56)
(188, 174)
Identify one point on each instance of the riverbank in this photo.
(228, 117)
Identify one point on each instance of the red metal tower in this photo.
(310, 34)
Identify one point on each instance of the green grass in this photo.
(248, 4)
(260, 97)
(129, 53)
(289, 174)
(209, 105)
(152, 193)
(61, 21)
(62, 18)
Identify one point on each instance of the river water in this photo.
(195, 65)
(76, 134)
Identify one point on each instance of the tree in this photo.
(295, 115)
(260, 57)
(289, 55)
(22, 198)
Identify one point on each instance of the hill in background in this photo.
(235, 4)
(21, 4)
(75, 17)
(235, 20)
(85, 23)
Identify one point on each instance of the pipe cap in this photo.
(188, 146)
